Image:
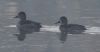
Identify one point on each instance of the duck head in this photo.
(63, 20)
(21, 15)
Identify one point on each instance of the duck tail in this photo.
(63, 37)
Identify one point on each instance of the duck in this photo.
(25, 26)
(66, 28)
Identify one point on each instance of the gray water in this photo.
(85, 12)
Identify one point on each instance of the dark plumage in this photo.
(66, 28)
(26, 26)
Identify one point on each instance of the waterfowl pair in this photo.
(66, 28)
(26, 26)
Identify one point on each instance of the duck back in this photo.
(76, 28)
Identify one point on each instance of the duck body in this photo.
(72, 28)
(75, 28)
(27, 26)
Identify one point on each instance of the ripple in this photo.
(53, 28)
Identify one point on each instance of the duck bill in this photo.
(57, 22)
(16, 17)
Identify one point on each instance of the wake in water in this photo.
(47, 28)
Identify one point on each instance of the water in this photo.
(47, 12)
